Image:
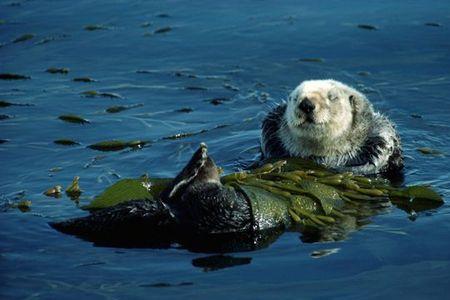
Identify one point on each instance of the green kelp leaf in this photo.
(24, 205)
(305, 203)
(74, 191)
(92, 27)
(127, 190)
(327, 195)
(73, 119)
(23, 38)
(116, 145)
(429, 151)
(418, 192)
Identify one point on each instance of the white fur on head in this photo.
(332, 117)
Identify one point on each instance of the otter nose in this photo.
(306, 106)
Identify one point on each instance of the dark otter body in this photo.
(194, 206)
(372, 148)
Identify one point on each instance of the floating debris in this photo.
(217, 101)
(185, 110)
(10, 76)
(83, 79)
(162, 30)
(92, 27)
(367, 27)
(165, 284)
(195, 88)
(54, 191)
(312, 59)
(433, 24)
(58, 70)
(24, 205)
(119, 108)
(364, 73)
(66, 142)
(73, 119)
(429, 151)
(23, 38)
(92, 94)
(116, 145)
(231, 87)
(74, 191)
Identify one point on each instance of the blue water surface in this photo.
(250, 54)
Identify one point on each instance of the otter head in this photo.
(322, 109)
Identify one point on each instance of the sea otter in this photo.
(334, 125)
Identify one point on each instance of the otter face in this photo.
(319, 109)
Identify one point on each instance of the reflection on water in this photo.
(220, 64)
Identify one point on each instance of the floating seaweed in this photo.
(363, 73)
(11, 76)
(163, 15)
(24, 205)
(162, 30)
(23, 38)
(433, 24)
(73, 119)
(429, 151)
(66, 142)
(185, 110)
(5, 117)
(4, 103)
(312, 59)
(57, 70)
(73, 190)
(218, 101)
(116, 145)
(416, 116)
(54, 192)
(92, 94)
(83, 79)
(367, 27)
(2, 141)
(195, 88)
(92, 27)
(119, 108)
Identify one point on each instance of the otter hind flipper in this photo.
(139, 219)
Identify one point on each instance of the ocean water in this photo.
(248, 54)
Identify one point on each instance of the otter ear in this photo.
(358, 102)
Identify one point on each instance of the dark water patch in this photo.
(11, 76)
(163, 15)
(4, 103)
(57, 70)
(218, 101)
(2, 141)
(90, 264)
(24, 37)
(218, 262)
(74, 119)
(364, 73)
(416, 116)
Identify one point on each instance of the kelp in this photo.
(367, 27)
(66, 142)
(11, 76)
(294, 191)
(116, 145)
(73, 119)
(73, 190)
(54, 70)
(23, 38)
(83, 79)
(92, 94)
